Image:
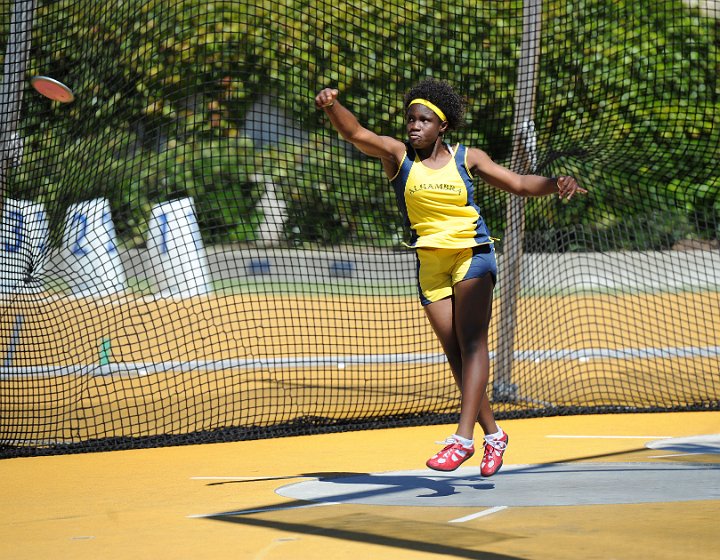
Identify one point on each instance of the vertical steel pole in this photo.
(524, 160)
(17, 54)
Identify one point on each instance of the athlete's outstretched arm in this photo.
(483, 166)
(388, 149)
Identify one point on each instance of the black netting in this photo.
(190, 253)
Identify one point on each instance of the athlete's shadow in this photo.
(430, 485)
(379, 486)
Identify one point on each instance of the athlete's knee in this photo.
(474, 344)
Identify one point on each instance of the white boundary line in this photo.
(482, 513)
(236, 477)
(678, 455)
(606, 437)
(147, 368)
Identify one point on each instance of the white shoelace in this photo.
(450, 440)
(498, 444)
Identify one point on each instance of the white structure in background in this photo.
(17, 149)
(176, 254)
(272, 229)
(710, 8)
(23, 242)
(92, 265)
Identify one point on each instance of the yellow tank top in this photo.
(439, 203)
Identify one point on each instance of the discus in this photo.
(52, 89)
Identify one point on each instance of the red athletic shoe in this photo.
(451, 457)
(493, 456)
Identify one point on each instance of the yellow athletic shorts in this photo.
(438, 270)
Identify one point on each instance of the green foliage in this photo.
(628, 100)
(634, 86)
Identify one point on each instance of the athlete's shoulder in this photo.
(476, 159)
(398, 167)
(474, 152)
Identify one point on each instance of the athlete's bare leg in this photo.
(461, 324)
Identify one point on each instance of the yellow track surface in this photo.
(164, 503)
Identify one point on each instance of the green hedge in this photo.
(628, 101)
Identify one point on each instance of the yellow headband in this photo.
(434, 108)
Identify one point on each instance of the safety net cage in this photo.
(190, 253)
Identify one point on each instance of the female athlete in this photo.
(433, 181)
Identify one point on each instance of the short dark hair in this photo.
(442, 94)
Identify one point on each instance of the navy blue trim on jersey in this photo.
(398, 183)
(482, 233)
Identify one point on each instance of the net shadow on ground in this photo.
(385, 531)
(371, 528)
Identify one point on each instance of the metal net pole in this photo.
(524, 159)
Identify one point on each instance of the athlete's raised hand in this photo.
(326, 98)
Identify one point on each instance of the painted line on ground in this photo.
(560, 436)
(235, 477)
(675, 455)
(483, 513)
